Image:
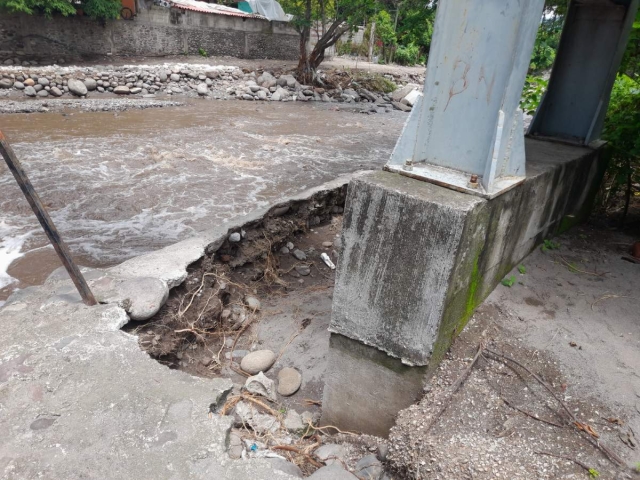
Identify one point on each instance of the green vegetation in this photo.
(96, 9)
(534, 88)
(374, 82)
(202, 52)
(509, 281)
(549, 245)
(522, 269)
(593, 473)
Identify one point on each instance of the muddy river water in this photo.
(122, 184)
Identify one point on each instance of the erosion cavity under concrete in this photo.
(77, 387)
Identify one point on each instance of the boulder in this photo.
(332, 472)
(252, 302)
(261, 385)
(44, 81)
(122, 90)
(331, 454)
(6, 83)
(402, 92)
(289, 381)
(43, 93)
(56, 92)
(283, 465)
(30, 91)
(77, 87)
(293, 421)
(369, 468)
(411, 98)
(299, 254)
(202, 89)
(91, 84)
(29, 82)
(258, 361)
(212, 74)
(260, 422)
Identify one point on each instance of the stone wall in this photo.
(154, 32)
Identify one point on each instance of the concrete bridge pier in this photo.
(427, 240)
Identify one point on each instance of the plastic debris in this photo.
(325, 258)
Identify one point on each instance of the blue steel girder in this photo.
(465, 131)
(592, 44)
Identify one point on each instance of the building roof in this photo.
(203, 7)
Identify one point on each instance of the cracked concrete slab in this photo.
(79, 399)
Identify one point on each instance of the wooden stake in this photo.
(47, 224)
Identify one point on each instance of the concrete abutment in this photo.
(417, 259)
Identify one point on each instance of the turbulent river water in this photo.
(121, 184)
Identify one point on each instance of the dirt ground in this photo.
(572, 319)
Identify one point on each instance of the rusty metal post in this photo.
(47, 224)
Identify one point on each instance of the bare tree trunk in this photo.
(372, 37)
(309, 63)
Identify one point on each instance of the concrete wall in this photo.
(154, 32)
(417, 259)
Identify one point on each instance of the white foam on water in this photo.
(11, 244)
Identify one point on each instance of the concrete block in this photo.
(417, 259)
(365, 388)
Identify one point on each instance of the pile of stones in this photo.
(219, 82)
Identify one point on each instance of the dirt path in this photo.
(572, 319)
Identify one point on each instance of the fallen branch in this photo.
(573, 268)
(455, 388)
(580, 426)
(549, 422)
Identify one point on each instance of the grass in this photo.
(549, 245)
(374, 82)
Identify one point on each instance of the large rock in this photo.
(202, 89)
(56, 92)
(261, 385)
(122, 90)
(90, 83)
(44, 81)
(299, 254)
(369, 468)
(175, 77)
(289, 381)
(29, 82)
(6, 83)
(261, 423)
(332, 472)
(43, 93)
(212, 73)
(258, 361)
(18, 85)
(411, 98)
(331, 454)
(77, 87)
(252, 302)
(402, 92)
(293, 421)
(280, 464)
(30, 91)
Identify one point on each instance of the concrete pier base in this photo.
(417, 259)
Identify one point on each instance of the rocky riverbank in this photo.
(195, 80)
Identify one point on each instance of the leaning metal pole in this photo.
(47, 224)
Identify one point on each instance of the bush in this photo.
(622, 132)
(534, 88)
(408, 55)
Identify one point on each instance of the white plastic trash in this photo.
(325, 258)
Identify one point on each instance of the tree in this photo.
(344, 15)
(96, 9)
